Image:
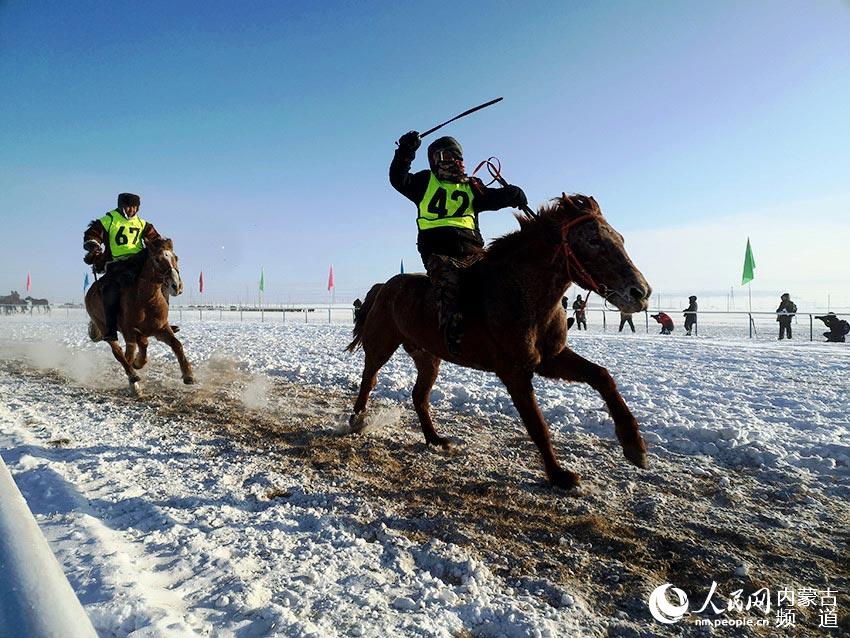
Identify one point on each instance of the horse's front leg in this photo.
(522, 393)
(119, 356)
(167, 336)
(569, 366)
(142, 357)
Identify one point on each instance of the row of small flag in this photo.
(262, 283)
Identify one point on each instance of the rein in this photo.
(494, 167)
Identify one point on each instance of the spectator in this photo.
(357, 306)
(626, 317)
(579, 308)
(666, 322)
(838, 328)
(784, 313)
(690, 314)
(565, 303)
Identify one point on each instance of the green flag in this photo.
(749, 265)
(262, 279)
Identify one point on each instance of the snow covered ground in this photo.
(186, 512)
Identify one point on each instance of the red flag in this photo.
(331, 278)
(201, 282)
(29, 281)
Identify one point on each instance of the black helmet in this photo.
(446, 144)
(128, 200)
(692, 298)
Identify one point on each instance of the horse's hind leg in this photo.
(427, 368)
(167, 336)
(377, 349)
(522, 393)
(570, 366)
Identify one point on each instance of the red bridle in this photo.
(570, 255)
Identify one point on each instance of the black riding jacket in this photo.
(451, 241)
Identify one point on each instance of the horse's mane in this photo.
(549, 218)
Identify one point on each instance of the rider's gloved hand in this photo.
(517, 196)
(409, 142)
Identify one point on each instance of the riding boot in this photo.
(111, 295)
(444, 273)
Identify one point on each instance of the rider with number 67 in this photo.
(122, 234)
(448, 203)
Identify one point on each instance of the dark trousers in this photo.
(581, 320)
(785, 328)
(119, 274)
(626, 320)
(445, 273)
(690, 323)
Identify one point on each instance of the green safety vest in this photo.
(446, 204)
(125, 235)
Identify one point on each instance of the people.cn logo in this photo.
(662, 609)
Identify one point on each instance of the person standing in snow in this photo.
(448, 203)
(579, 308)
(690, 314)
(784, 313)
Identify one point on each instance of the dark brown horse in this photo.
(514, 323)
(144, 312)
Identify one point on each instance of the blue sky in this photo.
(259, 133)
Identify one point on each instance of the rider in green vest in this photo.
(448, 202)
(114, 245)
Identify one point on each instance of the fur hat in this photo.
(127, 200)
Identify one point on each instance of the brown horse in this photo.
(144, 312)
(514, 323)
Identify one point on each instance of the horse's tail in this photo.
(94, 333)
(360, 317)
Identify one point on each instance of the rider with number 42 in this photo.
(448, 202)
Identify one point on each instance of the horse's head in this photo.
(594, 253)
(161, 254)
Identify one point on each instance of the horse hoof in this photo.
(565, 480)
(442, 442)
(188, 380)
(356, 422)
(636, 456)
(135, 388)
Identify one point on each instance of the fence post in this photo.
(811, 329)
(200, 314)
(329, 314)
(604, 322)
(646, 316)
(305, 315)
(262, 316)
(750, 315)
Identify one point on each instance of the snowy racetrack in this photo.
(236, 507)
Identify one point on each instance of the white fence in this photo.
(36, 600)
(710, 323)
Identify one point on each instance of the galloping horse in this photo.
(514, 322)
(144, 312)
(42, 304)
